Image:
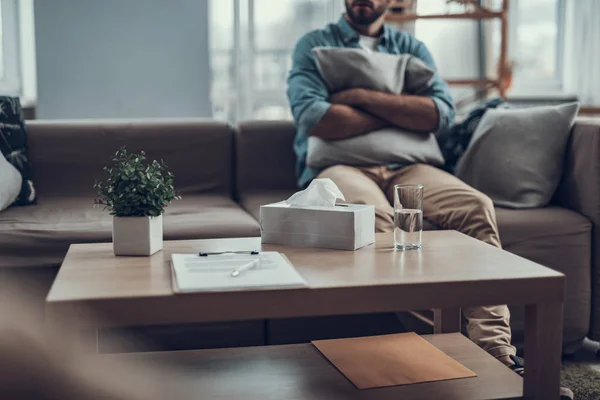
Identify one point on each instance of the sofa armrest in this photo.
(580, 191)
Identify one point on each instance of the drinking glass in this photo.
(408, 216)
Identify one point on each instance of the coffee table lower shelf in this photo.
(300, 372)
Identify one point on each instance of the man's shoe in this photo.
(519, 368)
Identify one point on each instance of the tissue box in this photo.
(342, 227)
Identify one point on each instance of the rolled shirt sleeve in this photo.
(438, 92)
(306, 90)
(308, 95)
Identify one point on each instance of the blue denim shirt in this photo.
(308, 94)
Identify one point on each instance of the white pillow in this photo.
(342, 69)
(10, 183)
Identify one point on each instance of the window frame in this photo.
(540, 87)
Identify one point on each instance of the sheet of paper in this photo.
(390, 360)
(194, 273)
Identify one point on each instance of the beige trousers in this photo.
(449, 203)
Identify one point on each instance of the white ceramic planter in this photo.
(137, 236)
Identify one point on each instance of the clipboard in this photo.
(194, 273)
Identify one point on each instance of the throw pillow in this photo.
(10, 183)
(13, 144)
(455, 140)
(516, 155)
(342, 69)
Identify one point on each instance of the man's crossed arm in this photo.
(357, 111)
(416, 113)
(343, 121)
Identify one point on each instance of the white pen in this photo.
(245, 267)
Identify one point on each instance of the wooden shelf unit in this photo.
(479, 13)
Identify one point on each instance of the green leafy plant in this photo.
(135, 188)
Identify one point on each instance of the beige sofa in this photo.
(225, 173)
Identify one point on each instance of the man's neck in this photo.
(373, 30)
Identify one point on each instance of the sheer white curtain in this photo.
(251, 42)
(582, 74)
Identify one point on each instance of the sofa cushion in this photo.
(548, 226)
(40, 235)
(68, 156)
(207, 216)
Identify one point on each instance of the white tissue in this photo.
(321, 193)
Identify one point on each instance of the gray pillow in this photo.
(342, 69)
(516, 155)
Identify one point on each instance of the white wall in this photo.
(122, 58)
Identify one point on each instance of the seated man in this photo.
(448, 202)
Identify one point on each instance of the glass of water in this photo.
(408, 216)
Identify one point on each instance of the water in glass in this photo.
(408, 225)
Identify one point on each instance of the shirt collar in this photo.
(349, 34)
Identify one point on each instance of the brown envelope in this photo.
(390, 360)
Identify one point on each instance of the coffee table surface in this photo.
(452, 270)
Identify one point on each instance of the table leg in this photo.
(543, 350)
(446, 320)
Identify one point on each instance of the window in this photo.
(453, 44)
(17, 50)
(251, 45)
(252, 40)
(536, 45)
(10, 75)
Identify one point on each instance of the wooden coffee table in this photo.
(451, 271)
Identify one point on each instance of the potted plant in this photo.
(136, 194)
